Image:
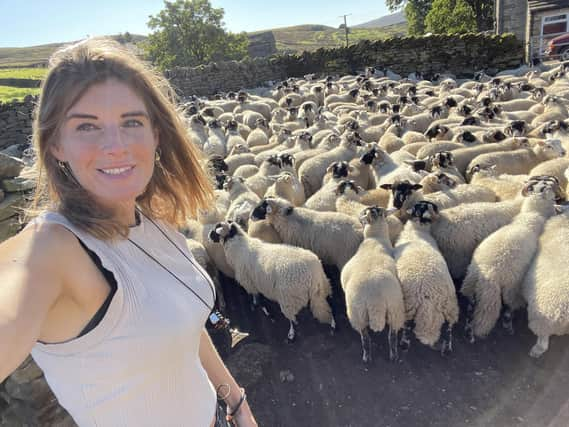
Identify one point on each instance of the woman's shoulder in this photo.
(39, 245)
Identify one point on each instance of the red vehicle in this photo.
(558, 48)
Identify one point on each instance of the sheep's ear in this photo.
(416, 187)
(288, 210)
(386, 186)
(329, 168)
(219, 230)
(525, 189)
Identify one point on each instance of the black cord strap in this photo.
(171, 273)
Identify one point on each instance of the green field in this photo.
(8, 93)
(23, 73)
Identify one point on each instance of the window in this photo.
(554, 24)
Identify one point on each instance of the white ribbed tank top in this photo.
(140, 365)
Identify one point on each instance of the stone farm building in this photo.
(535, 22)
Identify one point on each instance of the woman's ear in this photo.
(57, 151)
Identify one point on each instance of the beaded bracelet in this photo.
(230, 415)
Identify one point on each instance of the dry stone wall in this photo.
(461, 55)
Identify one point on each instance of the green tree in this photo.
(190, 32)
(450, 16)
(415, 13)
(484, 13)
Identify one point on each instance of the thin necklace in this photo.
(207, 279)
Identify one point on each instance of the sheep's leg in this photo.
(540, 346)
(366, 345)
(291, 331)
(507, 320)
(469, 317)
(254, 301)
(332, 326)
(392, 342)
(446, 334)
(405, 342)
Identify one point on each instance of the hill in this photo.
(277, 40)
(38, 55)
(384, 21)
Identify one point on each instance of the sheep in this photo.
(196, 130)
(312, 171)
(554, 167)
(264, 231)
(315, 231)
(216, 143)
(233, 135)
(518, 162)
(546, 285)
(385, 168)
(463, 156)
(350, 96)
(499, 265)
(406, 194)
(246, 171)
(428, 290)
(208, 218)
(328, 143)
(243, 200)
(350, 201)
(238, 156)
(372, 290)
(261, 181)
(259, 135)
(460, 229)
(287, 186)
(504, 186)
(292, 277)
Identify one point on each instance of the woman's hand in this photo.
(244, 418)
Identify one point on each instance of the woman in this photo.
(100, 287)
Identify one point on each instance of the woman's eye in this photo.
(132, 123)
(86, 127)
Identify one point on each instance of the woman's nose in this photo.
(114, 141)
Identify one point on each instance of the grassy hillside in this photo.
(312, 37)
(23, 73)
(288, 39)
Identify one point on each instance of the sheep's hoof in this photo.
(469, 334)
(446, 348)
(366, 358)
(536, 351)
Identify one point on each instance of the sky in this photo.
(36, 22)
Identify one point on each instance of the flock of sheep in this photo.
(417, 191)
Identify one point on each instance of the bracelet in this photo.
(230, 415)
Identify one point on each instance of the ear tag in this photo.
(269, 209)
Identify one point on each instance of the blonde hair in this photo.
(179, 186)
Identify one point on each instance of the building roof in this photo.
(543, 5)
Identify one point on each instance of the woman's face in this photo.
(109, 143)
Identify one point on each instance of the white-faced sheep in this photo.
(499, 265)
(372, 290)
(292, 277)
(315, 231)
(428, 289)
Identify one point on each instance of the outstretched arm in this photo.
(219, 375)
